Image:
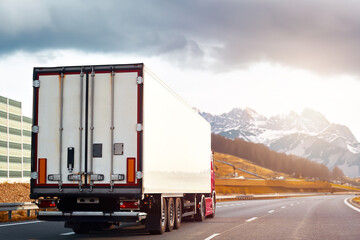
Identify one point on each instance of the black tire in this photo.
(200, 211)
(81, 228)
(170, 215)
(160, 220)
(213, 205)
(178, 213)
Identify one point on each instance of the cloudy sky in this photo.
(270, 55)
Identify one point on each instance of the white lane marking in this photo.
(251, 219)
(283, 207)
(291, 204)
(21, 223)
(271, 211)
(351, 206)
(218, 206)
(212, 236)
(66, 234)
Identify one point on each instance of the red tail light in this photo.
(46, 203)
(129, 204)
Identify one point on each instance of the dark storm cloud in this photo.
(319, 35)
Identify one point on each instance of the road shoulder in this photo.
(348, 201)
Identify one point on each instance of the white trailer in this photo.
(113, 143)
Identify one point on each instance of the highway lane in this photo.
(318, 217)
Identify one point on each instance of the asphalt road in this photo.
(319, 217)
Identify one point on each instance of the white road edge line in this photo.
(351, 206)
(21, 223)
(283, 207)
(68, 233)
(251, 219)
(271, 211)
(212, 236)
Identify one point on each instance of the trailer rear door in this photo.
(87, 128)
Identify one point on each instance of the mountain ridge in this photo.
(309, 135)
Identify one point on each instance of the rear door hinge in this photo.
(34, 175)
(139, 127)
(139, 80)
(139, 175)
(35, 129)
(36, 83)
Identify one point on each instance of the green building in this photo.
(15, 142)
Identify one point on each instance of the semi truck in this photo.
(114, 144)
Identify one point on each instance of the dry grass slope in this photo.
(348, 188)
(227, 183)
(14, 192)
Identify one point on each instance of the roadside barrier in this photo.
(354, 203)
(9, 207)
(234, 198)
(265, 196)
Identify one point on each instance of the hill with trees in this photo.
(261, 155)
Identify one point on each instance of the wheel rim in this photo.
(163, 216)
(171, 214)
(202, 208)
(213, 204)
(178, 211)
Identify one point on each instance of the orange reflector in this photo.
(130, 170)
(42, 171)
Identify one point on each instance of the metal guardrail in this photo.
(235, 197)
(240, 169)
(9, 207)
(267, 196)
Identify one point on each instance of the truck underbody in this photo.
(159, 212)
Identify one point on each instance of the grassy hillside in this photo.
(233, 178)
(344, 187)
(263, 156)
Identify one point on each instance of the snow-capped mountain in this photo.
(308, 135)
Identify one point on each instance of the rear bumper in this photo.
(37, 192)
(92, 216)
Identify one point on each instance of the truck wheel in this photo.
(81, 228)
(200, 212)
(159, 226)
(171, 215)
(178, 213)
(213, 206)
